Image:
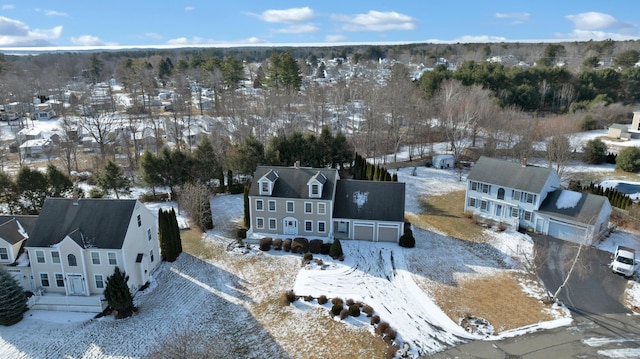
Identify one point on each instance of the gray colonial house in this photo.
(75, 245)
(316, 204)
(529, 197)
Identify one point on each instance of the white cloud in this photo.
(593, 25)
(335, 38)
(8, 7)
(517, 17)
(376, 21)
(298, 29)
(189, 8)
(480, 38)
(17, 33)
(152, 35)
(89, 40)
(183, 41)
(288, 16)
(55, 13)
(593, 21)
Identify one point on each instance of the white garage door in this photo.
(388, 233)
(363, 231)
(566, 231)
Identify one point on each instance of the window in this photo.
(260, 223)
(272, 224)
(484, 205)
(315, 190)
(99, 281)
(531, 197)
(44, 279)
(4, 254)
(72, 260)
(474, 186)
(500, 193)
(527, 215)
(259, 205)
(151, 255)
(308, 207)
(486, 188)
(272, 206)
(40, 256)
(308, 226)
(95, 258)
(472, 202)
(149, 236)
(290, 207)
(322, 208)
(111, 257)
(55, 257)
(139, 221)
(514, 212)
(59, 280)
(264, 188)
(322, 227)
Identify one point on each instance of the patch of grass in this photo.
(445, 214)
(491, 297)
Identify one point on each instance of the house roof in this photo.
(370, 200)
(100, 223)
(586, 209)
(292, 181)
(28, 222)
(619, 126)
(509, 174)
(11, 232)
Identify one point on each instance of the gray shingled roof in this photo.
(100, 223)
(370, 200)
(510, 174)
(28, 222)
(586, 210)
(292, 181)
(10, 232)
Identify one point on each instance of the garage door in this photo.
(388, 233)
(363, 231)
(566, 231)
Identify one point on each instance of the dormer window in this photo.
(315, 185)
(315, 190)
(265, 187)
(267, 182)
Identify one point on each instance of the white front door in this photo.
(75, 284)
(290, 226)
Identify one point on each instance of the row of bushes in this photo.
(302, 245)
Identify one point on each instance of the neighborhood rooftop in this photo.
(359, 199)
(509, 174)
(293, 181)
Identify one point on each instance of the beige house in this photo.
(619, 131)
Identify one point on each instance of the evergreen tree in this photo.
(112, 178)
(117, 294)
(13, 301)
(150, 170)
(32, 188)
(60, 185)
(247, 219)
(205, 164)
(629, 159)
(335, 251)
(175, 230)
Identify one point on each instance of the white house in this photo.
(34, 148)
(529, 197)
(444, 160)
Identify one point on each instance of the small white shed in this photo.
(445, 160)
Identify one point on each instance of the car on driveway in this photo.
(624, 261)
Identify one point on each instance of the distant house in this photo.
(529, 197)
(445, 160)
(619, 131)
(34, 148)
(76, 245)
(44, 114)
(316, 203)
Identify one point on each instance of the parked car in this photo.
(624, 261)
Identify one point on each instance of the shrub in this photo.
(344, 313)
(95, 192)
(381, 328)
(326, 247)
(315, 246)
(350, 302)
(391, 350)
(354, 310)
(375, 320)
(242, 233)
(407, 240)
(308, 257)
(14, 300)
(308, 298)
(296, 247)
(336, 249)
(265, 243)
(304, 245)
(336, 309)
(629, 159)
(368, 310)
(390, 333)
(286, 245)
(319, 261)
(277, 244)
(291, 296)
(336, 300)
(117, 294)
(322, 299)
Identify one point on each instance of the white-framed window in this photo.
(308, 208)
(514, 212)
(4, 254)
(315, 190)
(308, 226)
(260, 223)
(272, 206)
(273, 224)
(151, 255)
(516, 195)
(264, 187)
(55, 257)
(484, 205)
(290, 207)
(473, 185)
(40, 257)
(259, 205)
(149, 236)
(71, 259)
(486, 188)
(322, 208)
(531, 197)
(527, 215)
(59, 280)
(472, 202)
(139, 221)
(111, 257)
(99, 281)
(44, 279)
(322, 226)
(95, 258)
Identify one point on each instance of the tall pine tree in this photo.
(13, 301)
(117, 294)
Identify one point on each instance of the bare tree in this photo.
(101, 128)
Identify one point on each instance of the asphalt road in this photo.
(602, 326)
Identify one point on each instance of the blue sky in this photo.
(118, 23)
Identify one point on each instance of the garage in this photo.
(566, 231)
(388, 233)
(363, 230)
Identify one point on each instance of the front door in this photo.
(290, 226)
(75, 284)
(539, 225)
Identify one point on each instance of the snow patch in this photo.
(568, 199)
(360, 198)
